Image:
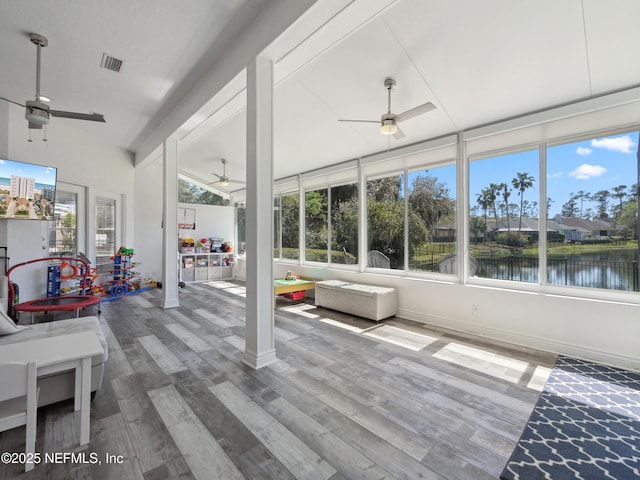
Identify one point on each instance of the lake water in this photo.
(612, 269)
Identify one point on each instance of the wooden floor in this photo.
(346, 399)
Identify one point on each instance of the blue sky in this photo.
(44, 175)
(591, 165)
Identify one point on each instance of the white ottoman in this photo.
(368, 301)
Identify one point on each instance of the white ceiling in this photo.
(477, 62)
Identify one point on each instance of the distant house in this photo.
(529, 226)
(581, 230)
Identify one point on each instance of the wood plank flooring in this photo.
(347, 398)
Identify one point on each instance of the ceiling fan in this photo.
(389, 121)
(223, 180)
(37, 112)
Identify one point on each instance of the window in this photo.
(344, 224)
(63, 235)
(316, 225)
(592, 236)
(276, 227)
(241, 222)
(190, 193)
(503, 225)
(385, 215)
(432, 217)
(290, 225)
(286, 208)
(105, 224)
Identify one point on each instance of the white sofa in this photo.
(61, 386)
(368, 301)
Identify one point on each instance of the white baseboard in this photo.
(545, 344)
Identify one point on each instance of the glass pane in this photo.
(62, 231)
(385, 213)
(290, 226)
(503, 223)
(344, 224)
(592, 239)
(276, 227)
(432, 219)
(316, 238)
(241, 219)
(190, 193)
(105, 232)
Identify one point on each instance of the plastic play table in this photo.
(282, 286)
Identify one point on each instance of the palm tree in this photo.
(506, 193)
(484, 201)
(522, 182)
(492, 195)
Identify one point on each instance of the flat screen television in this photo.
(27, 191)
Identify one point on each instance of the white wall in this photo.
(148, 219)
(211, 221)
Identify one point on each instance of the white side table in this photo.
(57, 354)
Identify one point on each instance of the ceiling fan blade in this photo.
(11, 101)
(219, 176)
(399, 134)
(415, 111)
(94, 117)
(360, 121)
(237, 181)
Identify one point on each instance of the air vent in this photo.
(111, 63)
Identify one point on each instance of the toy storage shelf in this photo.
(205, 267)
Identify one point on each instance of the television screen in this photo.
(27, 191)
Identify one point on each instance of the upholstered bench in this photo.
(368, 301)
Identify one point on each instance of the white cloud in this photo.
(586, 171)
(617, 144)
(554, 175)
(583, 151)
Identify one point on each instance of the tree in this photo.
(602, 199)
(506, 193)
(316, 209)
(620, 194)
(530, 209)
(494, 190)
(477, 227)
(629, 218)
(289, 211)
(582, 196)
(484, 200)
(68, 232)
(386, 229)
(344, 221)
(190, 193)
(430, 200)
(521, 183)
(570, 209)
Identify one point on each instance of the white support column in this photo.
(170, 223)
(259, 340)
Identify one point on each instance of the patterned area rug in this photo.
(586, 425)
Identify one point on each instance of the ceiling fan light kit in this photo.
(388, 127)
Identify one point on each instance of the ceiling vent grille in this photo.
(111, 63)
